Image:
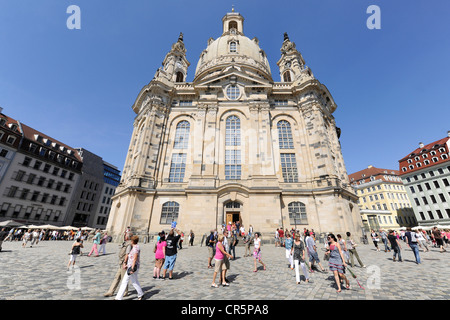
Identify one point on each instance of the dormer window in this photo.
(13, 127)
(2, 121)
(233, 47)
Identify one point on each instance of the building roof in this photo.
(422, 158)
(365, 175)
(32, 135)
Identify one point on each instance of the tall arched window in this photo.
(182, 135)
(169, 213)
(287, 76)
(285, 135)
(297, 213)
(180, 77)
(232, 152)
(233, 131)
(233, 46)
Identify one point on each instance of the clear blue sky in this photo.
(391, 85)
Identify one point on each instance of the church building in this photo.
(234, 145)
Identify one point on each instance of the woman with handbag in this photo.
(298, 254)
(337, 262)
(132, 265)
(160, 255)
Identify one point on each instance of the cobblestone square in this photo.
(40, 273)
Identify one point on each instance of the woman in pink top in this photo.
(220, 265)
(160, 256)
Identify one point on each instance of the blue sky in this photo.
(391, 85)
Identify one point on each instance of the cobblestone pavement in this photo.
(40, 273)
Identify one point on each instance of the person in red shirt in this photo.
(281, 234)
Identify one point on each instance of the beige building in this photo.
(234, 145)
(383, 200)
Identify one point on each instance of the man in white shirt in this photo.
(35, 237)
(26, 238)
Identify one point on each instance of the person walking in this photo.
(257, 251)
(26, 238)
(124, 251)
(312, 253)
(411, 240)
(375, 239)
(160, 256)
(337, 262)
(351, 247)
(438, 238)
(288, 246)
(191, 238)
(344, 248)
(395, 245)
(220, 266)
(277, 238)
(171, 253)
(298, 254)
(421, 240)
(210, 243)
(248, 239)
(384, 238)
(103, 242)
(96, 240)
(74, 252)
(3, 236)
(133, 264)
(233, 242)
(34, 237)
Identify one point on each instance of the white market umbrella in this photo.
(10, 223)
(69, 228)
(87, 229)
(49, 226)
(402, 228)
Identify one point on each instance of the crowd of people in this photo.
(301, 251)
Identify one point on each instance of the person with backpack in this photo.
(75, 251)
(248, 239)
(210, 241)
(124, 250)
(171, 253)
(411, 240)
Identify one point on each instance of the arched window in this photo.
(232, 25)
(182, 135)
(169, 213)
(233, 131)
(297, 213)
(232, 204)
(232, 153)
(287, 76)
(285, 135)
(233, 46)
(180, 77)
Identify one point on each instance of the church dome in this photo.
(233, 48)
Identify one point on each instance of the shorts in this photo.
(439, 242)
(73, 257)
(219, 266)
(313, 256)
(169, 264)
(159, 263)
(210, 252)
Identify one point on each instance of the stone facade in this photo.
(234, 145)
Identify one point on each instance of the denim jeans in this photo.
(386, 247)
(415, 248)
(397, 252)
